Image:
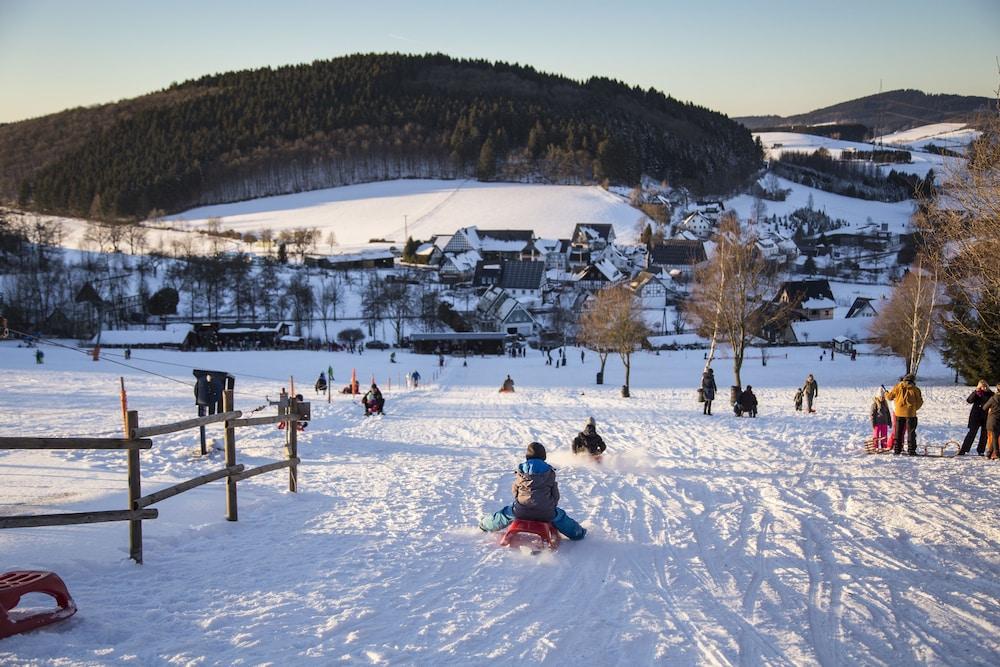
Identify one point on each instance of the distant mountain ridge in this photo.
(885, 112)
(362, 118)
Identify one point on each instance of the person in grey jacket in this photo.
(810, 390)
(881, 419)
(536, 497)
(708, 390)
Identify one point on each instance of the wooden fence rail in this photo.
(74, 443)
(31, 521)
(163, 429)
(289, 411)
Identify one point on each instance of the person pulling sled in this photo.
(373, 401)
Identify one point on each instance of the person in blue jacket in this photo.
(536, 498)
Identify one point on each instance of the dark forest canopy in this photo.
(359, 118)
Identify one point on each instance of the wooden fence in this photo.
(138, 437)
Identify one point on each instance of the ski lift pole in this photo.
(329, 383)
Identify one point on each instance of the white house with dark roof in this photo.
(499, 311)
(523, 280)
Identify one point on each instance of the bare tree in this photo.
(136, 237)
(329, 297)
(331, 239)
(398, 304)
(907, 323)
(731, 294)
(962, 227)
(614, 324)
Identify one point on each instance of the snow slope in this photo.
(358, 213)
(854, 211)
(955, 136)
(712, 540)
(776, 143)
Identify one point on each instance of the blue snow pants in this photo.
(562, 521)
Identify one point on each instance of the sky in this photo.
(741, 57)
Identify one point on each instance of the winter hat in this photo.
(909, 378)
(590, 422)
(535, 451)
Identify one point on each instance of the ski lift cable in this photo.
(105, 356)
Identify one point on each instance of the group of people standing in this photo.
(906, 401)
(984, 421)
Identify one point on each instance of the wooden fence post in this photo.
(292, 445)
(230, 442)
(134, 490)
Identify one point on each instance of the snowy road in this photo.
(713, 540)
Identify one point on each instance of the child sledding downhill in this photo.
(536, 498)
(588, 441)
(507, 387)
(373, 401)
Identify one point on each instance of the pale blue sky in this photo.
(737, 56)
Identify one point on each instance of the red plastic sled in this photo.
(521, 531)
(20, 582)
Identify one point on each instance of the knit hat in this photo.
(909, 378)
(535, 451)
(590, 422)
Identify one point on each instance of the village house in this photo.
(499, 311)
(598, 275)
(649, 289)
(698, 224)
(810, 299)
(862, 307)
(523, 280)
(676, 255)
(587, 241)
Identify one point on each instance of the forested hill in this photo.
(362, 118)
(888, 112)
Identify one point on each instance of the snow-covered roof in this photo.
(464, 261)
(824, 331)
(817, 304)
(173, 334)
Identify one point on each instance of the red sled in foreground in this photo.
(21, 582)
(523, 532)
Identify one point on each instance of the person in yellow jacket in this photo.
(906, 400)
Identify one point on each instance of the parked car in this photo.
(376, 345)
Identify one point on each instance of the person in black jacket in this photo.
(992, 410)
(747, 402)
(708, 390)
(588, 442)
(977, 419)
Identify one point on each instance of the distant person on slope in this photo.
(708, 389)
(508, 386)
(906, 401)
(810, 390)
(588, 441)
(321, 383)
(536, 498)
(415, 379)
(798, 399)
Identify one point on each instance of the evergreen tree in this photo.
(486, 167)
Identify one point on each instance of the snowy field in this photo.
(855, 211)
(713, 540)
(776, 143)
(357, 213)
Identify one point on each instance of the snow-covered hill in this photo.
(358, 213)
(712, 540)
(954, 136)
(775, 143)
